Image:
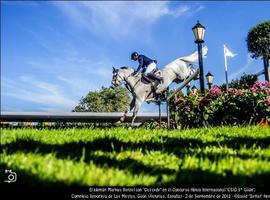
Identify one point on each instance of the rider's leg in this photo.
(151, 67)
(149, 72)
(152, 75)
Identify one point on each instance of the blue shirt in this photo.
(144, 62)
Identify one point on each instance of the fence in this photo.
(76, 117)
(260, 73)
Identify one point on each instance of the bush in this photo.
(217, 107)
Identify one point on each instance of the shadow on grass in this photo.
(198, 177)
(26, 178)
(187, 177)
(177, 146)
(84, 151)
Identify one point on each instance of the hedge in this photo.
(218, 107)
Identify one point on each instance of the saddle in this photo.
(148, 79)
(154, 84)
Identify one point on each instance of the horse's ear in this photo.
(113, 69)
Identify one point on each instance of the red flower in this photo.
(203, 101)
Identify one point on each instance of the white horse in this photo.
(179, 69)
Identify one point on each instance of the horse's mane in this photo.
(124, 67)
(127, 68)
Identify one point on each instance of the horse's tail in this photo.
(194, 56)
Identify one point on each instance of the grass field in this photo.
(118, 156)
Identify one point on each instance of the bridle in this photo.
(117, 77)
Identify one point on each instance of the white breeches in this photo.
(150, 68)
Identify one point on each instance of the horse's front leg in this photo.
(131, 106)
(138, 104)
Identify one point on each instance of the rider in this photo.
(147, 65)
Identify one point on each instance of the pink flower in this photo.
(215, 90)
(187, 108)
(179, 100)
(267, 90)
(230, 90)
(240, 92)
(264, 83)
(267, 101)
(258, 84)
(261, 84)
(253, 88)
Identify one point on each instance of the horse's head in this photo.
(119, 75)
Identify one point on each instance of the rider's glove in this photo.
(135, 73)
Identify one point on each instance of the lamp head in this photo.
(209, 78)
(198, 31)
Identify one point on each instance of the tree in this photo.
(104, 100)
(258, 43)
(245, 82)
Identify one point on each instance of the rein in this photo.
(131, 88)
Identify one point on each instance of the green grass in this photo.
(224, 155)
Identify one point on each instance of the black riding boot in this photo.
(151, 75)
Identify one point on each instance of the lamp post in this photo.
(198, 31)
(266, 69)
(209, 79)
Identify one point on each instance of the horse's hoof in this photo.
(122, 119)
(118, 122)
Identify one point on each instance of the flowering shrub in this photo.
(217, 107)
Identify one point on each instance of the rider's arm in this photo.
(140, 59)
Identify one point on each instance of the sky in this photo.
(53, 53)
